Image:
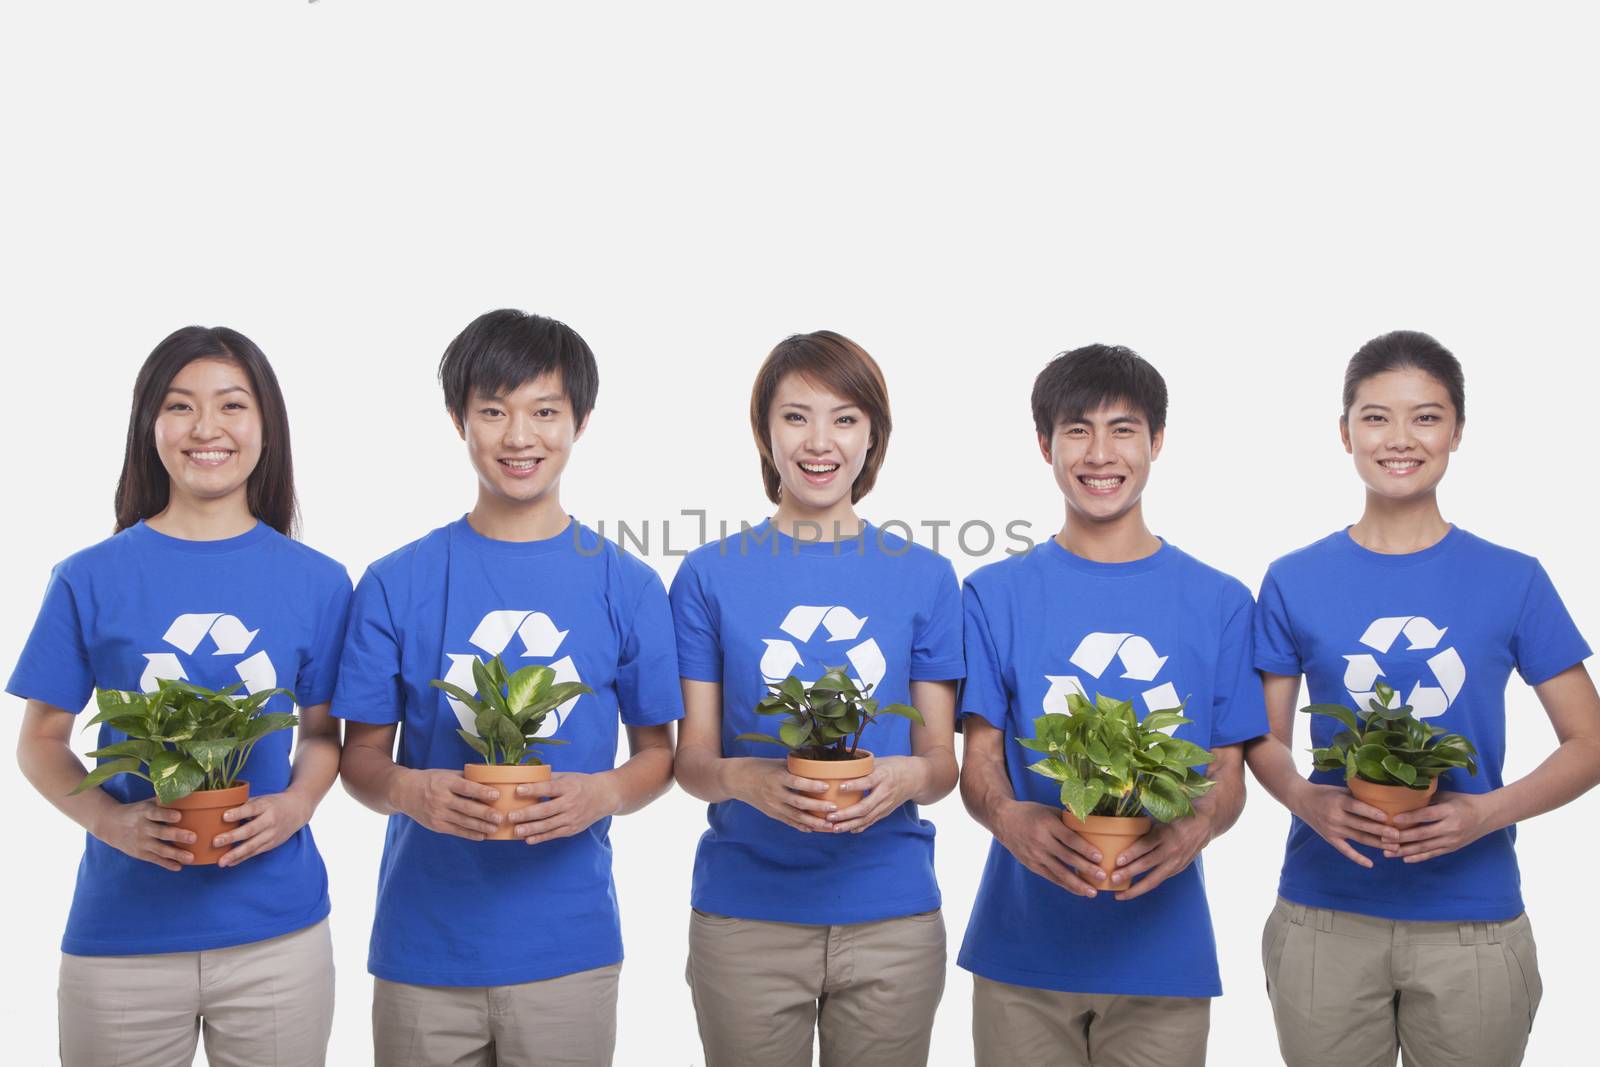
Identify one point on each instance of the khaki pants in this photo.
(1351, 990)
(265, 1004)
(869, 989)
(570, 1021)
(1013, 1025)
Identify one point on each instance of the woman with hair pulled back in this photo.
(813, 915)
(203, 582)
(1405, 934)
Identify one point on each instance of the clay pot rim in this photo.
(201, 799)
(1138, 825)
(1399, 790)
(506, 772)
(858, 766)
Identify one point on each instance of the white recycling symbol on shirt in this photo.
(229, 637)
(841, 624)
(1139, 661)
(1362, 670)
(539, 637)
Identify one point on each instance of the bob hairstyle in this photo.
(1406, 350)
(833, 362)
(144, 488)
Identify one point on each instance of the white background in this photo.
(1243, 192)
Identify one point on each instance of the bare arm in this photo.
(1169, 848)
(141, 829)
(925, 777)
(1033, 833)
(441, 800)
(271, 819)
(572, 802)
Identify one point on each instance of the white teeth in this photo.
(210, 457)
(819, 468)
(1401, 464)
(520, 464)
(1102, 483)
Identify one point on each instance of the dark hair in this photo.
(1088, 378)
(501, 350)
(144, 487)
(1403, 350)
(839, 365)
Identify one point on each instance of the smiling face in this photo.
(819, 444)
(1102, 460)
(208, 434)
(519, 442)
(1401, 429)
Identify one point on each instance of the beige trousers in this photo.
(1351, 990)
(1014, 1025)
(869, 989)
(265, 1004)
(570, 1021)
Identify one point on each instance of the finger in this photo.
(476, 822)
(1431, 813)
(805, 803)
(1426, 832)
(248, 810)
(177, 855)
(566, 829)
(861, 785)
(253, 828)
(541, 814)
(1149, 861)
(857, 809)
(240, 853)
(553, 788)
(1349, 852)
(801, 821)
(1420, 857)
(488, 794)
(162, 862)
(471, 829)
(156, 813)
(1074, 842)
(854, 824)
(1142, 847)
(1443, 843)
(1148, 882)
(480, 812)
(1364, 837)
(1366, 811)
(804, 785)
(174, 834)
(1066, 877)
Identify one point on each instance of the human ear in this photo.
(1344, 433)
(1044, 450)
(1157, 439)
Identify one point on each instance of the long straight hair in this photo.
(144, 488)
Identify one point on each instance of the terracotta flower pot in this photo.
(506, 778)
(833, 771)
(1393, 799)
(201, 813)
(1111, 834)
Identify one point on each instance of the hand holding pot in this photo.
(893, 781)
(574, 802)
(1339, 818)
(1451, 822)
(767, 786)
(1163, 852)
(446, 803)
(268, 820)
(1041, 842)
(144, 830)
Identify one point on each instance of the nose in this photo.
(1099, 452)
(205, 425)
(519, 431)
(817, 440)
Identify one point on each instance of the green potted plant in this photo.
(823, 726)
(190, 744)
(1116, 772)
(1390, 759)
(509, 709)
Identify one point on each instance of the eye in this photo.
(1372, 418)
(848, 420)
(239, 405)
(793, 416)
(1427, 418)
(1075, 431)
(490, 413)
(177, 405)
(546, 413)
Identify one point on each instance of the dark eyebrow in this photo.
(546, 399)
(1374, 407)
(807, 407)
(1116, 420)
(219, 392)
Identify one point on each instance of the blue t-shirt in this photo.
(1158, 631)
(473, 913)
(759, 606)
(1443, 627)
(258, 608)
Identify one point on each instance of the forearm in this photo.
(316, 765)
(1272, 764)
(985, 790)
(1569, 772)
(371, 775)
(941, 774)
(1224, 802)
(646, 775)
(54, 770)
(705, 775)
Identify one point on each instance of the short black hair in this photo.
(501, 350)
(1406, 350)
(1088, 378)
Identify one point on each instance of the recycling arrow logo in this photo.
(1445, 670)
(841, 625)
(1135, 655)
(498, 632)
(228, 637)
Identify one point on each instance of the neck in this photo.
(503, 520)
(1397, 527)
(838, 522)
(1120, 540)
(193, 519)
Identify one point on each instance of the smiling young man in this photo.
(505, 952)
(1064, 960)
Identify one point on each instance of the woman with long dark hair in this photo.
(203, 582)
(1411, 937)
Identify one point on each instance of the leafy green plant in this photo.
(826, 718)
(182, 737)
(1110, 763)
(1387, 745)
(510, 709)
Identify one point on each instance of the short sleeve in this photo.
(936, 644)
(54, 666)
(983, 693)
(1546, 640)
(369, 688)
(648, 692)
(315, 682)
(1238, 705)
(699, 644)
(1276, 650)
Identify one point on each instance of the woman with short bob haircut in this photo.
(810, 916)
(1411, 938)
(201, 582)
